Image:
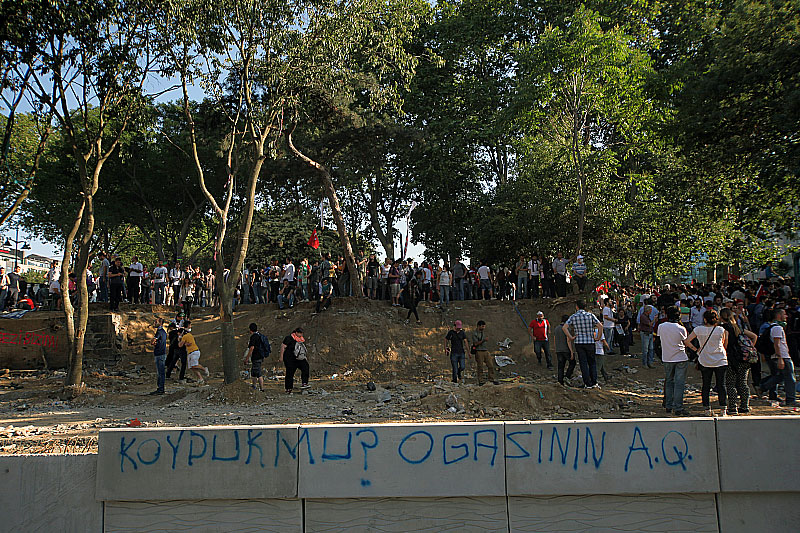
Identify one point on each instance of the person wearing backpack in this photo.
(712, 358)
(781, 363)
(258, 349)
(295, 355)
(741, 352)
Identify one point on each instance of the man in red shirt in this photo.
(539, 330)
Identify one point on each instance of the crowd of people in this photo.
(733, 332)
(402, 282)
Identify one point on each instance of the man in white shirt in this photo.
(785, 366)
(676, 362)
(54, 272)
(55, 294)
(522, 278)
(560, 274)
(485, 280)
(535, 272)
(696, 313)
(737, 294)
(105, 264)
(160, 282)
(609, 322)
(134, 280)
(176, 275)
(288, 272)
(383, 281)
(4, 286)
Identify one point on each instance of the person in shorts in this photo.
(257, 351)
(193, 353)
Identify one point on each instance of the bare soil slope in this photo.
(352, 344)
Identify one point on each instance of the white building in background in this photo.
(29, 263)
(7, 257)
(38, 263)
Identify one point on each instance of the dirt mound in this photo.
(238, 392)
(368, 338)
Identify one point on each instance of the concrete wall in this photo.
(726, 475)
(49, 493)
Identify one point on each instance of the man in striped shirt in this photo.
(587, 329)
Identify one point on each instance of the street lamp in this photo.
(17, 241)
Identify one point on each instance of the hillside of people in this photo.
(367, 361)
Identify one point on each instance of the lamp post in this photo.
(16, 241)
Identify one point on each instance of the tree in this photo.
(24, 136)
(154, 157)
(87, 66)
(584, 88)
(262, 60)
(737, 99)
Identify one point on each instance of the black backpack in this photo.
(764, 344)
(266, 349)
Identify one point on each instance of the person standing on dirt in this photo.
(105, 264)
(135, 271)
(564, 351)
(609, 324)
(160, 354)
(457, 349)
(539, 330)
(373, 271)
(258, 349)
(4, 284)
(560, 273)
(295, 355)
(414, 295)
(175, 277)
(193, 353)
(673, 354)
(160, 274)
(480, 348)
(176, 353)
(394, 283)
(116, 280)
(459, 279)
(588, 330)
(535, 274)
(600, 356)
(187, 296)
(485, 279)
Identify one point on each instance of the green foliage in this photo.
(35, 276)
(279, 234)
(649, 135)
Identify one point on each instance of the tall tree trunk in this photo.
(227, 333)
(333, 200)
(69, 310)
(581, 178)
(80, 322)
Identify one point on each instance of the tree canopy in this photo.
(649, 136)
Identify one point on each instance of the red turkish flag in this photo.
(314, 240)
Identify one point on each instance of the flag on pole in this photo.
(760, 293)
(314, 240)
(410, 209)
(408, 230)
